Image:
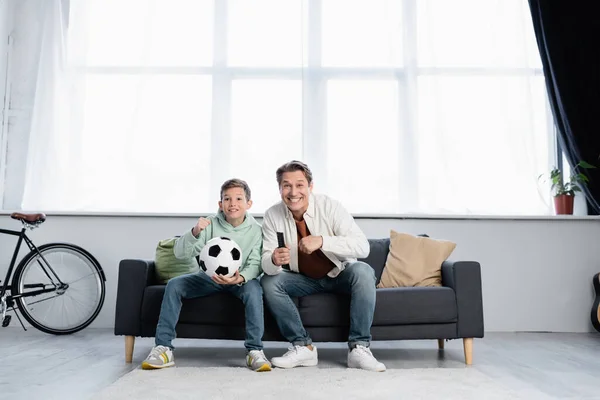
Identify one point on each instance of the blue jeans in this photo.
(200, 284)
(357, 279)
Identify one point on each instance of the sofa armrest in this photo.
(134, 276)
(465, 278)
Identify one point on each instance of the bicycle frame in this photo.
(23, 237)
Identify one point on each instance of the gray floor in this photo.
(35, 365)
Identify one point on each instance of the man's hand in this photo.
(310, 243)
(200, 226)
(281, 256)
(224, 280)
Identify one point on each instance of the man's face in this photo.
(234, 204)
(295, 192)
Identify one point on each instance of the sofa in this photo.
(452, 311)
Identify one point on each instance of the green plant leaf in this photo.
(585, 165)
(581, 177)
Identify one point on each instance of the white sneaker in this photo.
(361, 357)
(257, 361)
(159, 357)
(297, 356)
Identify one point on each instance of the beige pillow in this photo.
(414, 261)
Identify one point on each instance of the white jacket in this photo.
(343, 241)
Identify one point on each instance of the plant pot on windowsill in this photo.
(564, 191)
(563, 204)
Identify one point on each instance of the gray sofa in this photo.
(451, 311)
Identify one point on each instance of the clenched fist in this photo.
(310, 243)
(200, 226)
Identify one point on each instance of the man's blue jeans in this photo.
(357, 279)
(200, 284)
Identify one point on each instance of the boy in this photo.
(234, 222)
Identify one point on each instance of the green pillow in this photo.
(167, 266)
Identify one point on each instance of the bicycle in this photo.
(59, 288)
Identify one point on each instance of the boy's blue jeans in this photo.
(200, 284)
(357, 280)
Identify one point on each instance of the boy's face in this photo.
(234, 204)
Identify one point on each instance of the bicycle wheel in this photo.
(74, 287)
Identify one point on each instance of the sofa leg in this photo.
(441, 344)
(468, 345)
(129, 342)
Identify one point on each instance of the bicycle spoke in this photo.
(83, 277)
(42, 300)
(52, 305)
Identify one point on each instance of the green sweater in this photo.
(248, 235)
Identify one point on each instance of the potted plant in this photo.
(564, 192)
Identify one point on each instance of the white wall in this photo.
(536, 273)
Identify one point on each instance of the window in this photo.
(399, 106)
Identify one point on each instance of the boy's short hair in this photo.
(236, 183)
(292, 166)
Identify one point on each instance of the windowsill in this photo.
(356, 216)
(478, 217)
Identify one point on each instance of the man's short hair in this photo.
(236, 183)
(292, 166)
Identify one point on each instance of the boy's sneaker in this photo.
(297, 356)
(159, 357)
(256, 361)
(361, 357)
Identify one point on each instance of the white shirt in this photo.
(343, 240)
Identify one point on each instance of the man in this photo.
(322, 245)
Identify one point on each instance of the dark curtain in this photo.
(568, 38)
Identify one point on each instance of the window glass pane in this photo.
(481, 143)
(145, 141)
(475, 33)
(362, 33)
(141, 32)
(266, 33)
(266, 132)
(466, 141)
(362, 145)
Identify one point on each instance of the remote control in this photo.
(281, 243)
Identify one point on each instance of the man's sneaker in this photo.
(159, 357)
(297, 356)
(361, 357)
(256, 361)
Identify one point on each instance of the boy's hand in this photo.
(200, 226)
(281, 256)
(310, 243)
(223, 280)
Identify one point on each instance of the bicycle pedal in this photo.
(6, 321)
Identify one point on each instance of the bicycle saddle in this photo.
(31, 218)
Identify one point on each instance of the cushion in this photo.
(168, 266)
(216, 316)
(394, 306)
(414, 261)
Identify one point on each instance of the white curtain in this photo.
(51, 178)
(399, 106)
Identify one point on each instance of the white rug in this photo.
(309, 383)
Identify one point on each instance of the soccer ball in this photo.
(221, 256)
